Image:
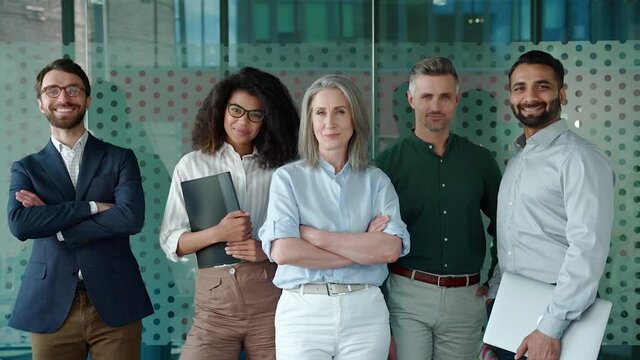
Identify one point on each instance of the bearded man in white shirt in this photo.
(555, 204)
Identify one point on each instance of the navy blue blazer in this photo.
(96, 244)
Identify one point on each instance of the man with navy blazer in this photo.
(78, 199)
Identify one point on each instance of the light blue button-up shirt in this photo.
(555, 213)
(343, 202)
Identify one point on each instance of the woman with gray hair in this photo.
(333, 223)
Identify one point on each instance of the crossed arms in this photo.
(324, 249)
(30, 217)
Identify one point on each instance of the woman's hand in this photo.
(234, 227)
(249, 250)
(379, 223)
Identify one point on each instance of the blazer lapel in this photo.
(54, 166)
(91, 159)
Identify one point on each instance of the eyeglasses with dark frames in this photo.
(53, 91)
(238, 111)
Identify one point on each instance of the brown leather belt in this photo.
(443, 281)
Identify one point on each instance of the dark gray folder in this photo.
(208, 200)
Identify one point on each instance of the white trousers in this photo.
(353, 326)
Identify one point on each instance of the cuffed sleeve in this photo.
(277, 229)
(94, 207)
(283, 220)
(552, 327)
(389, 205)
(175, 221)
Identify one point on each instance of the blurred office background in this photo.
(152, 62)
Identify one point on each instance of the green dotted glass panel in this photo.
(150, 108)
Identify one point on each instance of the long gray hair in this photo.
(357, 148)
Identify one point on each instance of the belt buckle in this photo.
(331, 289)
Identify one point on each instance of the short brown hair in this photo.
(67, 65)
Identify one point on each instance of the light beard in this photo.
(436, 126)
(540, 121)
(65, 124)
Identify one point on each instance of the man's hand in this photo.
(482, 290)
(236, 226)
(540, 346)
(29, 199)
(393, 353)
(379, 223)
(249, 250)
(103, 206)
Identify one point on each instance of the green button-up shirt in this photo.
(440, 201)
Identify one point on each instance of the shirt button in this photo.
(524, 158)
(445, 265)
(232, 271)
(441, 161)
(510, 203)
(509, 253)
(444, 211)
(430, 146)
(443, 185)
(446, 239)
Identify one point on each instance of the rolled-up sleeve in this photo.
(388, 204)
(175, 221)
(283, 218)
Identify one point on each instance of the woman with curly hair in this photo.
(247, 126)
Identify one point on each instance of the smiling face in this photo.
(63, 112)
(535, 95)
(240, 132)
(332, 121)
(434, 99)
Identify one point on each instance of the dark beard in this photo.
(60, 124)
(541, 121)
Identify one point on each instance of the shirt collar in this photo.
(543, 137)
(332, 171)
(453, 138)
(82, 141)
(226, 147)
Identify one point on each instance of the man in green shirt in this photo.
(436, 304)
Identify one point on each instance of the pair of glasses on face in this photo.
(238, 111)
(53, 91)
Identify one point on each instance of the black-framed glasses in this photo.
(53, 91)
(237, 111)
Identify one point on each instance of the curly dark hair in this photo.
(278, 136)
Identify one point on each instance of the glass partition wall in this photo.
(152, 62)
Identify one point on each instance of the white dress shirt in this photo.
(555, 214)
(72, 158)
(250, 179)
